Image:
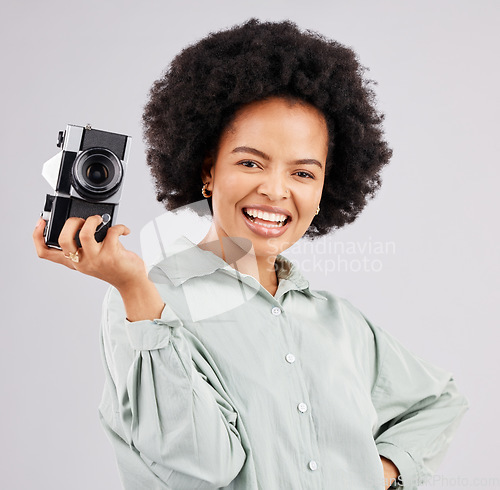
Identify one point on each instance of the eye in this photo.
(248, 163)
(305, 174)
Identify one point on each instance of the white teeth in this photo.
(257, 213)
(271, 226)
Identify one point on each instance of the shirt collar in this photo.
(184, 260)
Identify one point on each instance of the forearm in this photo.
(418, 441)
(142, 300)
(418, 407)
(180, 422)
(159, 402)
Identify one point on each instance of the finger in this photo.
(87, 235)
(45, 252)
(38, 239)
(67, 236)
(38, 231)
(111, 241)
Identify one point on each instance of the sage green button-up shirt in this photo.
(235, 388)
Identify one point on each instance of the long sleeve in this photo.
(234, 387)
(164, 403)
(418, 408)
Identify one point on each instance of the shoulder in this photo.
(380, 341)
(341, 309)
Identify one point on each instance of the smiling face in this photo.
(271, 159)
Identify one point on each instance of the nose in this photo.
(274, 186)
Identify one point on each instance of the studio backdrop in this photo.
(421, 261)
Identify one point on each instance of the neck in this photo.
(240, 254)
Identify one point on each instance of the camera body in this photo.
(87, 178)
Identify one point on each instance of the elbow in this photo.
(464, 405)
(230, 469)
(212, 466)
(464, 402)
(208, 477)
(226, 467)
(457, 398)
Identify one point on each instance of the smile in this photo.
(265, 224)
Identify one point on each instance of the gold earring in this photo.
(204, 190)
(317, 211)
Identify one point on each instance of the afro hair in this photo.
(207, 83)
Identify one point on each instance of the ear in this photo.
(207, 167)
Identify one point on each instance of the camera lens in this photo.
(97, 174)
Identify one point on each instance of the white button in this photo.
(302, 407)
(313, 465)
(276, 311)
(290, 358)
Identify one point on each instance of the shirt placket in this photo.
(310, 470)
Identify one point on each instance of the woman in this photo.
(223, 369)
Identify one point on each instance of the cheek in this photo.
(232, 187)
(310, 200)
(236, 180)
(229, 189)
(318, 191)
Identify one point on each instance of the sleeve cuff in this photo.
(404, 462)
(152, 334)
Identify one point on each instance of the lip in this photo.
(268, 209)
(262, 230)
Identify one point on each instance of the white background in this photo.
(436, 63)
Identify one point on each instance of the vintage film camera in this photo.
(87, 177)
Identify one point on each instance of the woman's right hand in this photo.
(108, 260)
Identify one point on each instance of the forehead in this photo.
(277, 117)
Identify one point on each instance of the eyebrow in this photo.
(254, 151)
